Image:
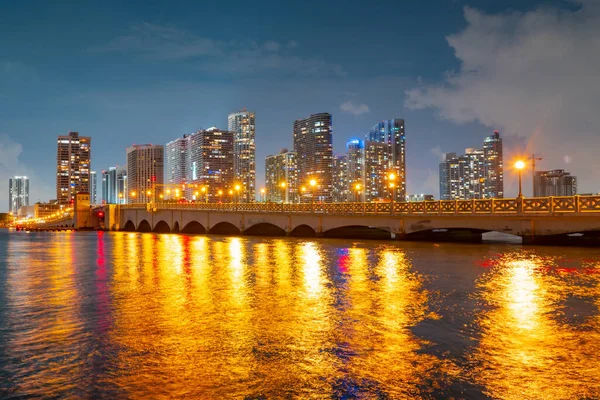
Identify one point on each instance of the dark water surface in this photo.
(127, 315)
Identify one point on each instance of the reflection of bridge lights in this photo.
(312, 268)
(522, 293)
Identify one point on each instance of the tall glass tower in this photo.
(18, 193)
(244, 153)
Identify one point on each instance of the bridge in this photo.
(559, 220)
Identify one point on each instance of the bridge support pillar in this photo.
(448, 236)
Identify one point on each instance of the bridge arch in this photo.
(358, 232)
(176, 227)
(144, 226)
(303, 231)
(194, 227)
(224, 228)
(129, 226)
(265, 229)
(162, 227)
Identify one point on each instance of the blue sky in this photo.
(148, 72)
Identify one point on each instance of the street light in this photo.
(262, 195)
(313, 185)
(519, 165)
(220, 192)
(205, 192)
(283, 185)
(303, 191)
(358, 187)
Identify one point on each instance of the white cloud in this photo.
(292, 44)
(10, 166)
(271, 46)
(533, 74)
(354, 109)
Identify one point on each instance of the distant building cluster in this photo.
(477, 174)
(217, 165)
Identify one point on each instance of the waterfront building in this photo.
(209, 163)
(314, 154)
(341, 190)
(391, 133)
(554, 183)
(355, 169)
(175, 164)
(478, 174)
(494, 168)
(281, 168)
(376, 170)
(114, 185)
(244, 151)
(18, 193)
(73, 166)
(415, 198)
(145, 173)
(93, 188)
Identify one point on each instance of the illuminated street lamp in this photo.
(205, 192)
(303, 191)
(262, 195)
(132, 194)
(313, 185)
(283, 194)
(357, 187)
(220, 192)
(520, 165)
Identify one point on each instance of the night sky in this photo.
(149, 72)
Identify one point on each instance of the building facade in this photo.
(175, 164)
(18, 193)
(209, 163)
(114, 185)
(341, 190)
(494, 166)
(376, 170)
(281, 168)
(73, 173)
(93, 188)
(314, 154)
(356, 169)
(554, 183)
(145, 173)
(244, 150)
(392, 133)
(477, 174)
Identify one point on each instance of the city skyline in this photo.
(110, 91)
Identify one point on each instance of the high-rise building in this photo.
(356, 167)
(73, 166)
(18, 193)
(341, 190)
(392, 133)
(244, 151)
(314, 152)
(176, 156)
(478, 174)
(494, 169)
(114, 185)
(554, 183)
(145, 172)
(281, 168)
(377, 162)
(93, 188)
(209, 161)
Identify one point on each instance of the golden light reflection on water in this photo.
(176, 316)
(529, 349)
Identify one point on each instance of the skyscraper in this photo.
(356, 168)
(377, 162)
(494, 169)
(392, 133)
(341, 190)
(314, 152)
(209, 161)
(145, 172)
(114, 185)
(73, 166)
(18, 193)
(93, 188)
(244, 151)
(176, 155)
(281, 168)
(554, 183)
(477, 174)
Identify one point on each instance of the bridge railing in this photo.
(535, 205)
